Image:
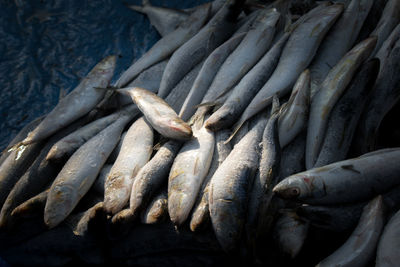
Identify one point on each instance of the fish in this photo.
(114, 154)
(164, 19)
(157, 210)
(387, 250)
(248, 86)
(68, 145)
(188, 172)
(30, 207)
(388, 21)
(75, 178)
(257, 40)
(90, 218)
(166, 46)
(230, 187)
(335, 183)
(201, 215)
(207, 74)
(295, 57)
(290, 233)
(81, 100)
(266, 176)
(40, 173)
(360, 247)
(387, 46)
(344, 117)
(159, 114)
(136, 150)
(213, 34)
(338, 41)
(98, 184)
(153, 175)
(294, 115)
(331, 89)
(382, 99)
(293, 156)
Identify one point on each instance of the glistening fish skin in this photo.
(389, 245)
(248, 86)
(214, 33)
(370, 174)
(166, 46)
(331, 89)
(360, 247)
(159, 114)
(76, 178)
(135, 152)
(207, 74)
(80, 101)
(230, 186)
(187, 173)
(294, 116)
(152, 175)
(345, 115)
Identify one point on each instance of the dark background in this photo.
(47, 46)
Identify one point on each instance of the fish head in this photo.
(179, 129)
(293, 187)
(60, 203)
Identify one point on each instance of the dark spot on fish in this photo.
(350, 168)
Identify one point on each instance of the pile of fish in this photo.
(249, 123)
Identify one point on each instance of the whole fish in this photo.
(360, 247)
(257, 40)
(389, 19)
(207, 74)
(383, 97)
(338, 41)
(215, 32)
(294, 116)
(135, 152)
(75, 178)
(157, 209)
(331, 89)
(153, 175)
(296, 55)
(266, 177)
(248, 86)
(335, 183)
(164, 19)
(230, 186)
(77, 103)
(201, 214)
(67, 145)
(344, 117)
(166, 46)
(187, 173)
(290, 232)
(159, 114)
(388, 246)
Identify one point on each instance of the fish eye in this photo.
(295, 191)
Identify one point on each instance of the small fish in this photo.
(159, 114)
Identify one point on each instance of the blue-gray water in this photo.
(46, 47)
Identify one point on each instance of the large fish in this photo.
(135, 152)
(344, 117)
(76, 177)
(360, 247)
(77, 103)
(187, 174)
(331, 89)
(230, 186)
(166, 46)
(296, 55)
(345, 181)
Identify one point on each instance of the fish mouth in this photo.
(287, 193)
